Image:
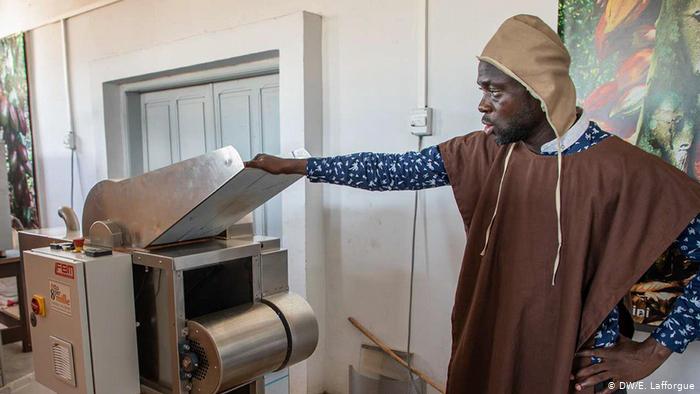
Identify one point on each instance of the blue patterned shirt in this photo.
(425, 169)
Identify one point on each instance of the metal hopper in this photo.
(192, 199)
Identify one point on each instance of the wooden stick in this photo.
(393, 355)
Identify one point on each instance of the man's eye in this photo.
(491, 92)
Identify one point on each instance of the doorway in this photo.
(180, 123)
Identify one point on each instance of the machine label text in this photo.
(59, 294)
(64, 270)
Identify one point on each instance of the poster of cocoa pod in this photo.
(15, 129)
(636, 67)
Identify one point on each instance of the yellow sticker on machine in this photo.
(60, 297)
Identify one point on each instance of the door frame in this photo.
(131, 127)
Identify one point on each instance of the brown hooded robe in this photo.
(514, 331)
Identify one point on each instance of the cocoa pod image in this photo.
(22, 154)
(14, 121)
(4, 109)
(23, 124)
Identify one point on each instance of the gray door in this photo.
(247, 117)
(178, 124)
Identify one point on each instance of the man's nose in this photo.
(485, 106)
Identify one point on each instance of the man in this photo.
(562, 217)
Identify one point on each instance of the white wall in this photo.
(49, 123)
(22, 15)
(370, 81)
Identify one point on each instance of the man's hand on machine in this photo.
(277, 165)
(627, 361)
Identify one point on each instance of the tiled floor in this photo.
(25, 385)
(19, 372)
(15, 363)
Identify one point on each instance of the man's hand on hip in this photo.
(277, 165)
(627, 361)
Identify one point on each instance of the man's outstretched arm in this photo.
(370, 171)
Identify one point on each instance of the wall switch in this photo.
(69, 140)
(421, 120)
(301, 153)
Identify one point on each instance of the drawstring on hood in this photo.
(495, 210)
(529, 51)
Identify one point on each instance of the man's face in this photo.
(510, 112)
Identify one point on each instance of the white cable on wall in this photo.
(410, 294)
(422, 102)
(422, 94)
(66, 75)
(70, 134)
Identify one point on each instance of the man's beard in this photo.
(511, 134)
(518, 128)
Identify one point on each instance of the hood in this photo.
(528, 50)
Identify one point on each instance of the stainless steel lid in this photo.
(195, 198)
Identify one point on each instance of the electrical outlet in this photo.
(301, 153)
(421, 120)
(69, 140)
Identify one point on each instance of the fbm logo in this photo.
(64, 270)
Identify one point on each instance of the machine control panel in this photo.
(78, 344)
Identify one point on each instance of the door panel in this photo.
(191, 122)
(234, 109)
(156, 133)
(247, 117)
(190, 131)
(270, 99)
(270, 120)
(182, 123)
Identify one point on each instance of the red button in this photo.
(35, 306)
(38, 305)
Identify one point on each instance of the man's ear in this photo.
(536, 104)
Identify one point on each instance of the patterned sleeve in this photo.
(381, 171)
(608, 333)
(682, 325)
